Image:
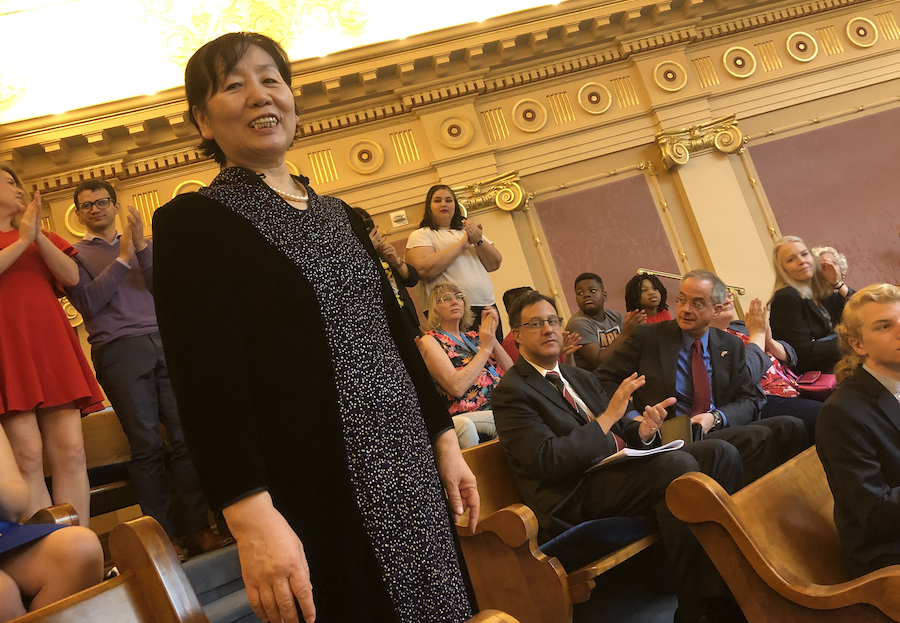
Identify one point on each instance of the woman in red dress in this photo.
(45, 380)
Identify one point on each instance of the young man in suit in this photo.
(858, 431)
(705, 369)
(555, 421)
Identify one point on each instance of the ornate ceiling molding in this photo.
(502, 192)
(678, 145)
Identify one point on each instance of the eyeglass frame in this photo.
(681, 299)
(459, 296)
(96, 202)
(537, 327)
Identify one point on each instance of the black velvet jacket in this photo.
(801, 323)
(252, 373)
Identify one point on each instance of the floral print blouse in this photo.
(477, 397)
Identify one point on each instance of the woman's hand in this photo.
(830, 271)
(487, 331)
(459, 481)
(30, 226)
(474, 231)
(755, 319)
(387, 251)
(273, 563)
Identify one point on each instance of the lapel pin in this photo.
(724, 352)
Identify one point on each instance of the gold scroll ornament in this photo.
(502, 191)
(678, 145)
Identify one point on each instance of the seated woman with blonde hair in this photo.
(806, 305)
(40, 563)
(465, 365)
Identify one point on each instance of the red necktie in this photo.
(560, 386)
(702, 392)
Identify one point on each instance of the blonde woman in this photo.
(858, 431)
(806, 305)
(465, 365)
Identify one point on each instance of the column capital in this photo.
(502, 191)
(678, 145)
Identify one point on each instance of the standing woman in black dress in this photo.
(311, 417)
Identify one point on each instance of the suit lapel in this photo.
(886, 401)
(718, 363)
(669, 345)
(536, 380)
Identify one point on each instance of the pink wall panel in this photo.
(611, 230)
(840, 186)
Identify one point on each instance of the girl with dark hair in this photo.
(449, 248)
(647, 293)
(45, 380)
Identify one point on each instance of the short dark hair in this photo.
(586, 276)
(633, 292)
(428, 219)
(530, 298)
(362, 213)
(510, 296)
(219, 57)
(92, 185)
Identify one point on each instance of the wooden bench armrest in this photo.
(62, 514)
(514, 524)
(696, 498)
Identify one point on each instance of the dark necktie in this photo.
(702, 392)
(560, 386)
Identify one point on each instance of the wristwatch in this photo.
(719, 420)
(479, 243)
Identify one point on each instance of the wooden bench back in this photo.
(496, 485)
(152, 587)
(786, 516)
(789, 513)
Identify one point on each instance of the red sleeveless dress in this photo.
(41, 361)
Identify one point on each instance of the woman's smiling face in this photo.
(251, 115)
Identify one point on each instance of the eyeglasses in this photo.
(102, 203)
(447, 298)
(696, 304)
(537, 323)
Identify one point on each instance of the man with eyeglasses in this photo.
(555, 422)
(115, 296)
(705, 369)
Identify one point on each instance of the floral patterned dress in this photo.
(477, 397)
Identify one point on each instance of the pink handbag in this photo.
(816, 385)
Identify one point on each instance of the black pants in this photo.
(765, 444)
(802, 408)
(134, 375)
(638, 488)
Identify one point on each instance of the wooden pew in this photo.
(776, 545)
(151, 587)
(509, 571)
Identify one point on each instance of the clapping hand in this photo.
(653, 418)
(488, 327)
(571, 342)
(30, 225)
(474, 232)
(136, 223)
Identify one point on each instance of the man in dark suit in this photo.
(858, 431)
(705, 369)
(555, 421)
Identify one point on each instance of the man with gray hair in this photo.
(705, 370)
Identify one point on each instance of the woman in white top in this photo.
(447, 247)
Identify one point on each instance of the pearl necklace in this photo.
(291, 197)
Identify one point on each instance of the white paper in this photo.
(626, 454)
